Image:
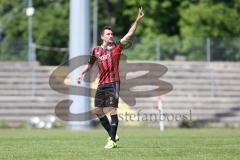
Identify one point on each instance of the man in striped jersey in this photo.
(107, 56)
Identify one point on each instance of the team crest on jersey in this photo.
(97, 53)
(104, 57)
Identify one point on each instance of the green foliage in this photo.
(191, 124)
(199, 20)
(182, 27)
(143, 51)
(170, 46)
(12, 47)
(217, 20)
(204, 20)
(193, 48)
(160, 16)
(7, 125)
(50, 28)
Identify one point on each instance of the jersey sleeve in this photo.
(92, 58)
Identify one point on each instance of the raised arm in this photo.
(133, 28)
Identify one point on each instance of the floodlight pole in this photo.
(29, 13)
(95, 22)
(31, 46)
(79, 45)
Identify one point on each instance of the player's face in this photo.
(107, 36)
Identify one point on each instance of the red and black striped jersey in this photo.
(108, 62)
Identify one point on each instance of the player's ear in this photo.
(102, 38)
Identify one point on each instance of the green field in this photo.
(145, 143)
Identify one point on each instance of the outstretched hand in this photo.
(79, 78)
(140, 14)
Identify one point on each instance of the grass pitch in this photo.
(135, 144)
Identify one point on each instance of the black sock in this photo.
(105, 123)
(114, 126)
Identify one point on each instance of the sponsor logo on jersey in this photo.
(104, 57)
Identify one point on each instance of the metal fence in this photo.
(189, 49)
(153, 48)
(13, 50)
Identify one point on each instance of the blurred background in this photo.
(197, 40)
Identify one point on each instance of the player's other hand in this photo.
(79, 78)
(140, 14)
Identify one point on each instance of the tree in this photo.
(217, 20)
(50, 27)
(182, 26)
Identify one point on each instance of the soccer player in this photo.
(107, 56)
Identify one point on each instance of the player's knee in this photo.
(113, 111)
(98, 111)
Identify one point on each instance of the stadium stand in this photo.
(208, 92)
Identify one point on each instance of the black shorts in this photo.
(107, 95)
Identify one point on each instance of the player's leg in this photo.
(103, 119)
(112, 100)
(99, 103)
(112, 103)
(114, 124)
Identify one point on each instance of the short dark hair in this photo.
(106, 27)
